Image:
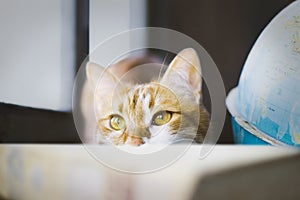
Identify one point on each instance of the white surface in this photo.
(231, 102)
(37, 52)
(70, 172)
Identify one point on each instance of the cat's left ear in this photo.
(184, 72)
(94, 72)
(97, 74)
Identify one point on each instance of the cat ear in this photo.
(104, 85)
(97, 74)
(184, 72)
(93, 72)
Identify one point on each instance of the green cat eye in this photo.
(117, 122)
(161, 118)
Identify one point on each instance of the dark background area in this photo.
(226, 29)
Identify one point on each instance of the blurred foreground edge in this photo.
(275, 179)
(235, 172)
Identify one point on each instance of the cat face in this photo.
(156, 112)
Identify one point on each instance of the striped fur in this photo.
(178, 92)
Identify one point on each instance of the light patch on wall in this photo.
(37, 53)
(108, 18)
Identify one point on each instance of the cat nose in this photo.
(142, 132)
(135, 141)
(137, 134)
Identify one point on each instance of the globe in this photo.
(268, 95)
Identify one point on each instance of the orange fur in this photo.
(178, 92)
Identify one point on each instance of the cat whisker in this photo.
(162, 66)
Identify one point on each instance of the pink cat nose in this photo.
(135, 141)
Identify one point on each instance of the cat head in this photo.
(159, 111)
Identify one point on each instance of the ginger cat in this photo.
(159, 111)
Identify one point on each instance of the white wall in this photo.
(37, 52)
(108, 18)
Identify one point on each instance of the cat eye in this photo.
(117, 122)
(161, 118)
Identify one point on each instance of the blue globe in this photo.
(268, 94)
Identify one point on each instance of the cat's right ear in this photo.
(93, 72)
(97, 74)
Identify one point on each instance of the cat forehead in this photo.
(141, 95)
(151, 95)
(143, 90)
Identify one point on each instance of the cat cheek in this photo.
(163, 135)
(117, 137)
(156, 130)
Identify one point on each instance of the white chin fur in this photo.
(160, 135)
